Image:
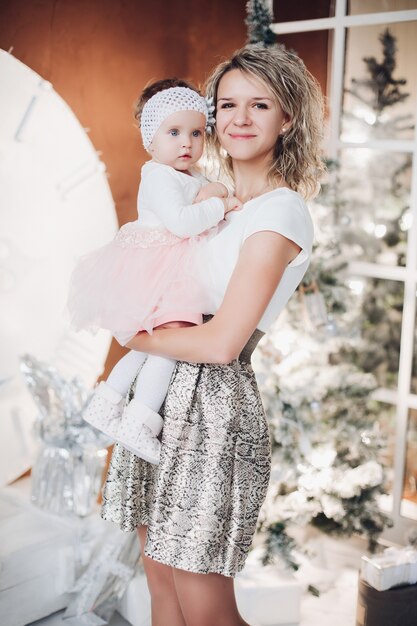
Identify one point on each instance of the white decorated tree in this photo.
(338, 339)
(326, 466)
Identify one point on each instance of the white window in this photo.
(376, 156)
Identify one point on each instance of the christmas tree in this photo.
(258, 21)
(382, 89)
(319, 366)
(326, 437)
(376, 212)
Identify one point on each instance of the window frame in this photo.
(401, 398)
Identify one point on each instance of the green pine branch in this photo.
(258, 21)
(385, 89)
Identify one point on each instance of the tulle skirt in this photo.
(143, 278)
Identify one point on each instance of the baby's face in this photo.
(179, 141)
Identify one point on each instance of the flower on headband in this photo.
(211, 120)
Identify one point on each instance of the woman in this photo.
(196, 512)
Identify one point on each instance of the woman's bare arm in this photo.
(262, 261)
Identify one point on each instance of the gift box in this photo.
(393, 607)
(39, 557)
(266, 596)
(395, 566)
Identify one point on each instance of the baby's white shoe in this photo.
(105, 409)
(138, 431)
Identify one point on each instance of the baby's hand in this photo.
(211, 190)
(231, 204)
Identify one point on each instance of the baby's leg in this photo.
(141, 423)
(153, 381)
(125, 370)
(106, 405)
(154, 378)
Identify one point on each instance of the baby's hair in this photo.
(157, 86)
(297, 153)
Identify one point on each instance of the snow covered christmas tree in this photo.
(326, 466)
(258, 21)
(374, 191)
(318, 368)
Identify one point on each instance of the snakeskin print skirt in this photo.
(201, 503)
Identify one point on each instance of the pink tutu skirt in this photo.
(143, 278)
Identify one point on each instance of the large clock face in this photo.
(55, 204)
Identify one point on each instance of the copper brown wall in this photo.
(312, 46)
(98, 54)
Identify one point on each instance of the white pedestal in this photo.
(39, 554)
(329, 552)
(31, 571)
(267, 595)
(135, 606)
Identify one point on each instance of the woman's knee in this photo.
(159, 576)
(207, 599)
(160, 580)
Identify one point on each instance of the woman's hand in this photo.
(218, 190)
(262, 262)
(231, 204)
(211, 190)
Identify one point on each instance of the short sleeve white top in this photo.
(282, 211)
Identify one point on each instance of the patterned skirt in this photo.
(201, 503)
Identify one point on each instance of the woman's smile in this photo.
(241, 136)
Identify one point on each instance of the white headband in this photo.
(168, 101)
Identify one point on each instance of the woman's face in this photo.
(248, 119)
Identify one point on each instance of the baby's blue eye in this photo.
(196, 133)
(174, 132)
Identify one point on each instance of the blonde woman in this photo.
(196, 512)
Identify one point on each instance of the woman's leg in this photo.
(207, 599)
(166, 609)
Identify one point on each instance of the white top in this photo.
(165, 200)
(282, 211)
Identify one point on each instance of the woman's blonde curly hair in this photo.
(297, 154)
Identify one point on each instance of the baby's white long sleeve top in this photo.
(165, 200)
